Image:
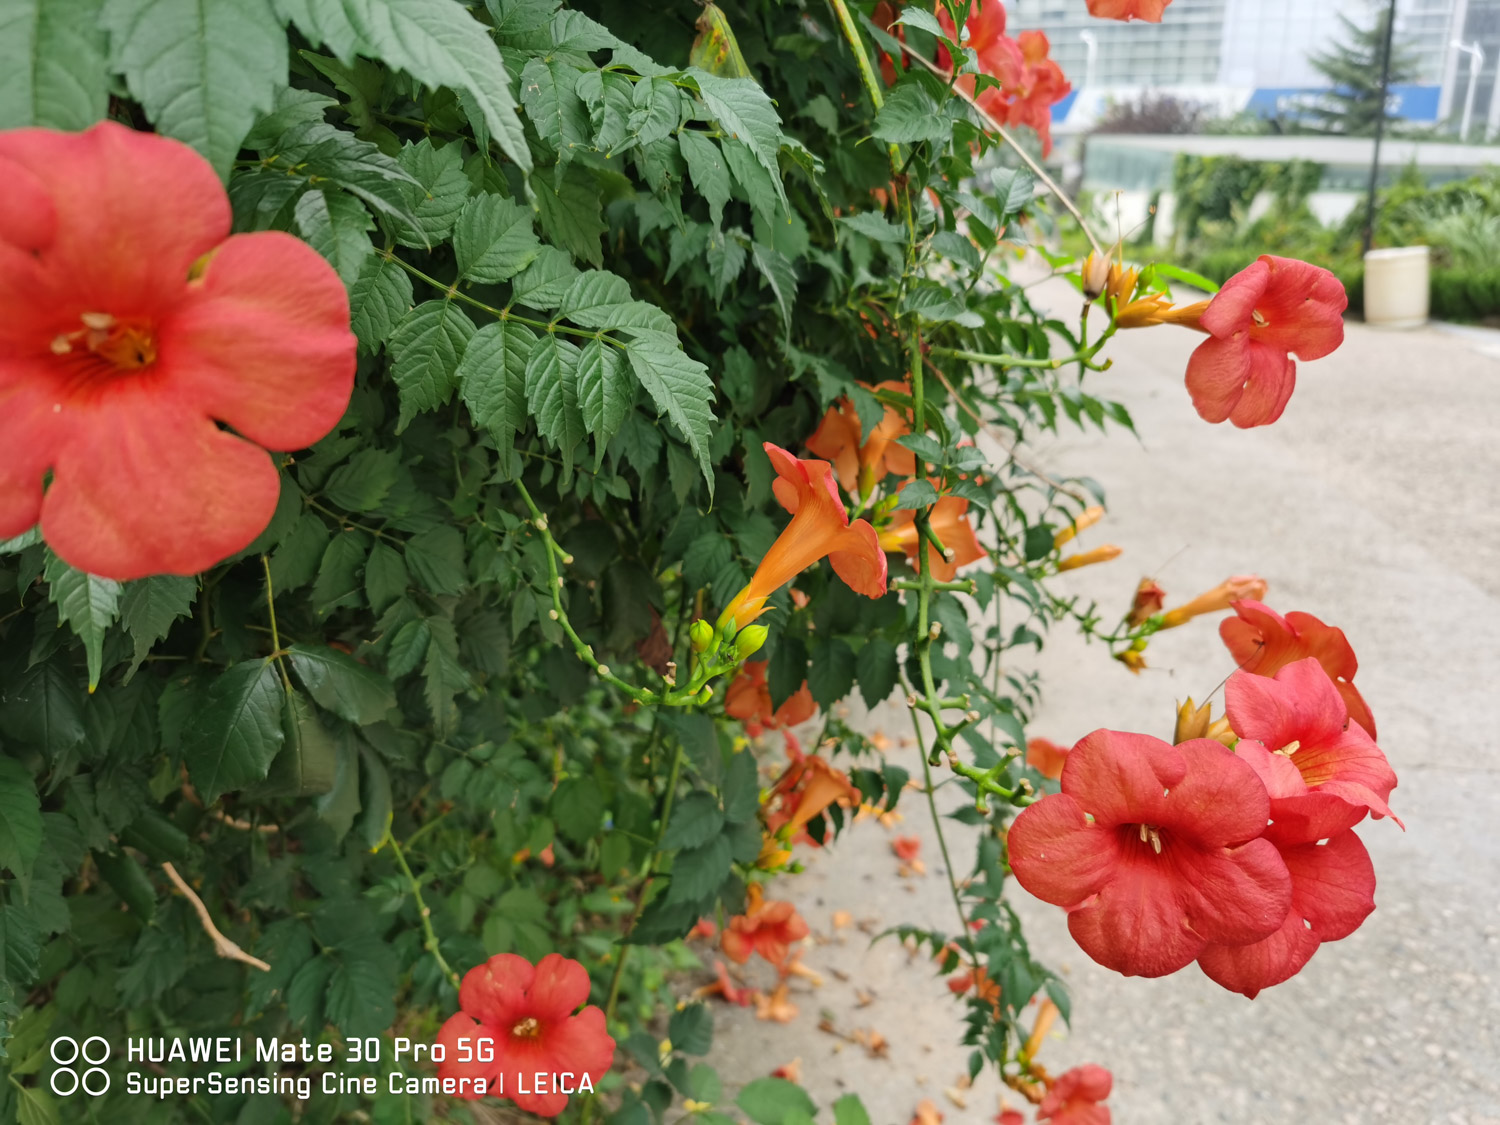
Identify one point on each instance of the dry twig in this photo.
(222, 945)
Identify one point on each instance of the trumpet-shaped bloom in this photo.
(527, 1014)
(1145, 309)
(1155, 851)
(808, 787)
(1263, 642)
(860, 466)
(749, 700)
(1273, 307)
(1333, 880)
(1106, 553)
(949, 522)
(1076, 1097)
(134, 324)
(1148, 10)
(1148, 601)
(820, 528)
(768, 928)
(1300, 714)
(1239, 587)
(1086, 519)
(1047, 758)
(1030, 82)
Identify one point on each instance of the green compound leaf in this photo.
(493, 240)
(20, 818)
(53, 70)
(339, 683)
(203, 69)
(680, 387)
(552, 393)
(149, 606)
(437, 42)
(492, 380)
(605, 391)
(233, 738)
(88, 604)
(425, 350)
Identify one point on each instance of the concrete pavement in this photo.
(1375, 504)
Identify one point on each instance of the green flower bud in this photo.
(750, 640)
(701, 634)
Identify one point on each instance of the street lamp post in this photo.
(1476, 64)
(1385, 85)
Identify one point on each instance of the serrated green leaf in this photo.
(680, 387)
(709, 172)
(696, 819)
(408, 647)
(443, 675)
(88, 604)
(493, 240)
(831, 673)
(910, 115)
(600, 299)
(53, 71)
(379, 298)
(570, 212)
(353, 691)
(20, 945)
(492, 380)
(770, 1101)
(294, 563)
(439, 44)
(293, 108)
(741, 789)
(437, 560)
(361, 993)
(876, 226)
(546, 281)
(307, 764)
(437, 194)
(725, 257)
(20, 819)
(550, 97)
(425, 350)
(231, 740)
(148, 607)
(691, 1029)
(337, 226)
(338, 581)
(315, 151)
(781, 276)
(203, 69)
(552, 393)
(746, 113)
(43, 706)
(876, 670)
(849, 1110)
(1014, 188)
(698, 872)
(386, 577)
(604, 389)
(361, 483)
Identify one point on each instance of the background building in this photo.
(1239, 54)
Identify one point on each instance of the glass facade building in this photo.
(1182, 50)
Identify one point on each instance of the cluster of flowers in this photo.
(1234, 847)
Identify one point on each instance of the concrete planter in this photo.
(1397, 287)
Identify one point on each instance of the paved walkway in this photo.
(1375, 504)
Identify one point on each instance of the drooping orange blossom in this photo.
(861, 465)
(820, 528)
(1088, 558)
(949, 522)
(806, 789)
(1236, 588)
(766, 927)
(749, 700)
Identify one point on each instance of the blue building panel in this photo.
(1410, 102)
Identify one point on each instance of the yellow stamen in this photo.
(529, 1028)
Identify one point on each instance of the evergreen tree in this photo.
(1352, 68)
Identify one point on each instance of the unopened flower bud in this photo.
(701, 633)
(1088, 558)
(750, 640)
(1149, 598)
(1241, 587)
(1132, 659)
(1095, 274)
(1086, 519)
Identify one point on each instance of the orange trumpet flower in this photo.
(1240, 587)
(1089, 558)
(809, 786)
(749, 700)
(950, 523)
(860, 467)
(767, 928)
(820, 528)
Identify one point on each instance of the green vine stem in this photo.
(429, 936)
(276, 649)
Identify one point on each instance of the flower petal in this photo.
(1118, 777)
(262, 341)
(558, 988)
(1136, 924)
(581, 1045)
(1057, 856)
(459, 1026)
(1247, 969)
(143, 486)
(1298, 704)
(1216, 374)
(1333, 884)
(859, 561)
(133, 212)
(1268, 387)
(1220, 801)
(495, 992)
(1232, 308)
(1233, 896)
(1304, 305)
